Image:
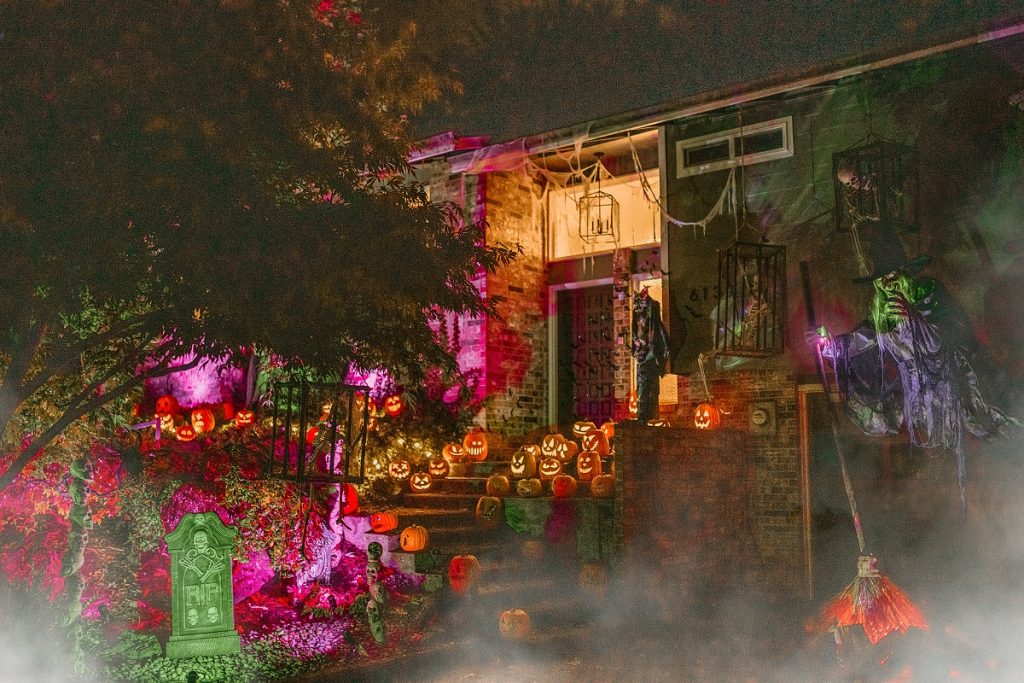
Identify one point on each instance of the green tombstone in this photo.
(202, 608)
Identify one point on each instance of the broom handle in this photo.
(833, 417)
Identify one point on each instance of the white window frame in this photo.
(784, 124)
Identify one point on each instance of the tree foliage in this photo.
(212, 175)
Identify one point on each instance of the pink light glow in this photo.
(209, 382)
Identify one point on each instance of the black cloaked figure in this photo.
(650, 350)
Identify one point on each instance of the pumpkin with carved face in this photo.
(549, 468)
(399, 470)
(588, 465)
(608, 427)
(167, 405)
(413, 538)
(563, 486)
(658, 423)
(475, 443)
(202, 420)
(394, 405)
(498, 485)
(596, 441)
(549, 445)
(454, 452)
(186, 432)
(529, 488)
(706, 416)
(634, 405)
(463, 571)
(438, 468)
(420, 482)
(558, 447)
(523, 464)
(167, 424)
(603, 486)
(581, 428)
(244, 417)
(383, 522)
(488, 511)
(514, 624)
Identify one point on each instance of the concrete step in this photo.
(431, 517)
(451, 501)
(467, 537)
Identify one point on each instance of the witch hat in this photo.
(887, 255)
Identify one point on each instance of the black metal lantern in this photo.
(876, 183)
(318, 432)
(752, 300)
(599, 214)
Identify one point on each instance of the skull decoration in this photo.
(524, 464)
(488, 511)
(399, 469)
(376, 620)
(374, 551)
(706, 416)
(394, 405)
(475, 443)
(603, 486)
(378, 592)
(846, 174)
(581, 428)
(420, 482)
(244, 418)
(372, 571)
(166, 405)
(454, 452)
(595, 441)
(438, 468)
(514, 624)
(549, 468)
(202, 420)
(186, 432)
(588, 465)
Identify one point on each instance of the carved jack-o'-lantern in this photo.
(488, 511)
(514, 624)
(413, 538)
(498, 485)
(454, 452)
(608, 427)
(634, 405)
(658, 423)
(420, 482)
(529, 488)
(399, 469)
(563, 486)
(549, 468)
(463, 571)
(603, 486)
(202, 420)
(566, 451)
(438, 468)
(167, 405)
(167, 423)
(595, 441)
(394, 405)
(382, 522)
(581, 428)
(706, 415)
(588, 465)
(186, 432)
(523, 464)
(549, 445)
(475, 443)
(244, 417)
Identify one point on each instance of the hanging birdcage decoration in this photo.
(752, 303)
(318, 432)
(598, 214)
(876, 183)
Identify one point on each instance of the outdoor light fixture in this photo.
(599, 214)
(877, 182)
(752, 307)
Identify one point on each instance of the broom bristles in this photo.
(876, 604)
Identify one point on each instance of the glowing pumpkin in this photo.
(588, 465)
(706, 416)
(244, 418)
(523, 464)
(563, 486)
(167, 424)
(167, 405)
(603, 486)
(514, 624)
(634, 405)
(488, 511)
(549, 468)
(475, 443)
(608, 428)
(438, 468)
(202, 420)
(549, 445)
(413, 538)
(399, 470)
(498, 485)
(349, 500)
(528, 488)
(383, 522)
(420, 482)
(595, 441)
(454, 452)
(581, 428)
(463, 571)
(394, 405)
(186, 432)
(658, 423)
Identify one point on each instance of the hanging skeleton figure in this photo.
(916, 364)
(650, 350)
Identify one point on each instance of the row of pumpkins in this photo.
(199, 421)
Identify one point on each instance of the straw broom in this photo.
(870, 600)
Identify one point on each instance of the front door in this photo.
(586, 367)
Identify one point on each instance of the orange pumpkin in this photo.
(350, 500)
(394, 405)
(581, 428)
(595, 441)
(706, 416)
(523, 464)
(454, 452)
(202, 420)
(603, 486)
(658, 423)
(608, 428)
(563, 486)
(244, 417)
(475, 443)
(463, 571)
(413, 538)
(514, 624)
(438, 468)
(634, 405)
(588, 465)
(399, 469)
(186, 432)
(488, 511)
(557, 446)
(167, 424)
(420, 482)
(167, 405)
(383, 522)
(549, 468)
(498, 485)
(528, 488)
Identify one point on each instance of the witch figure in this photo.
(915, 364)
(650, 350)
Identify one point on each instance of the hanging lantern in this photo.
(752, 307)
(876, 183)
(599, 214)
